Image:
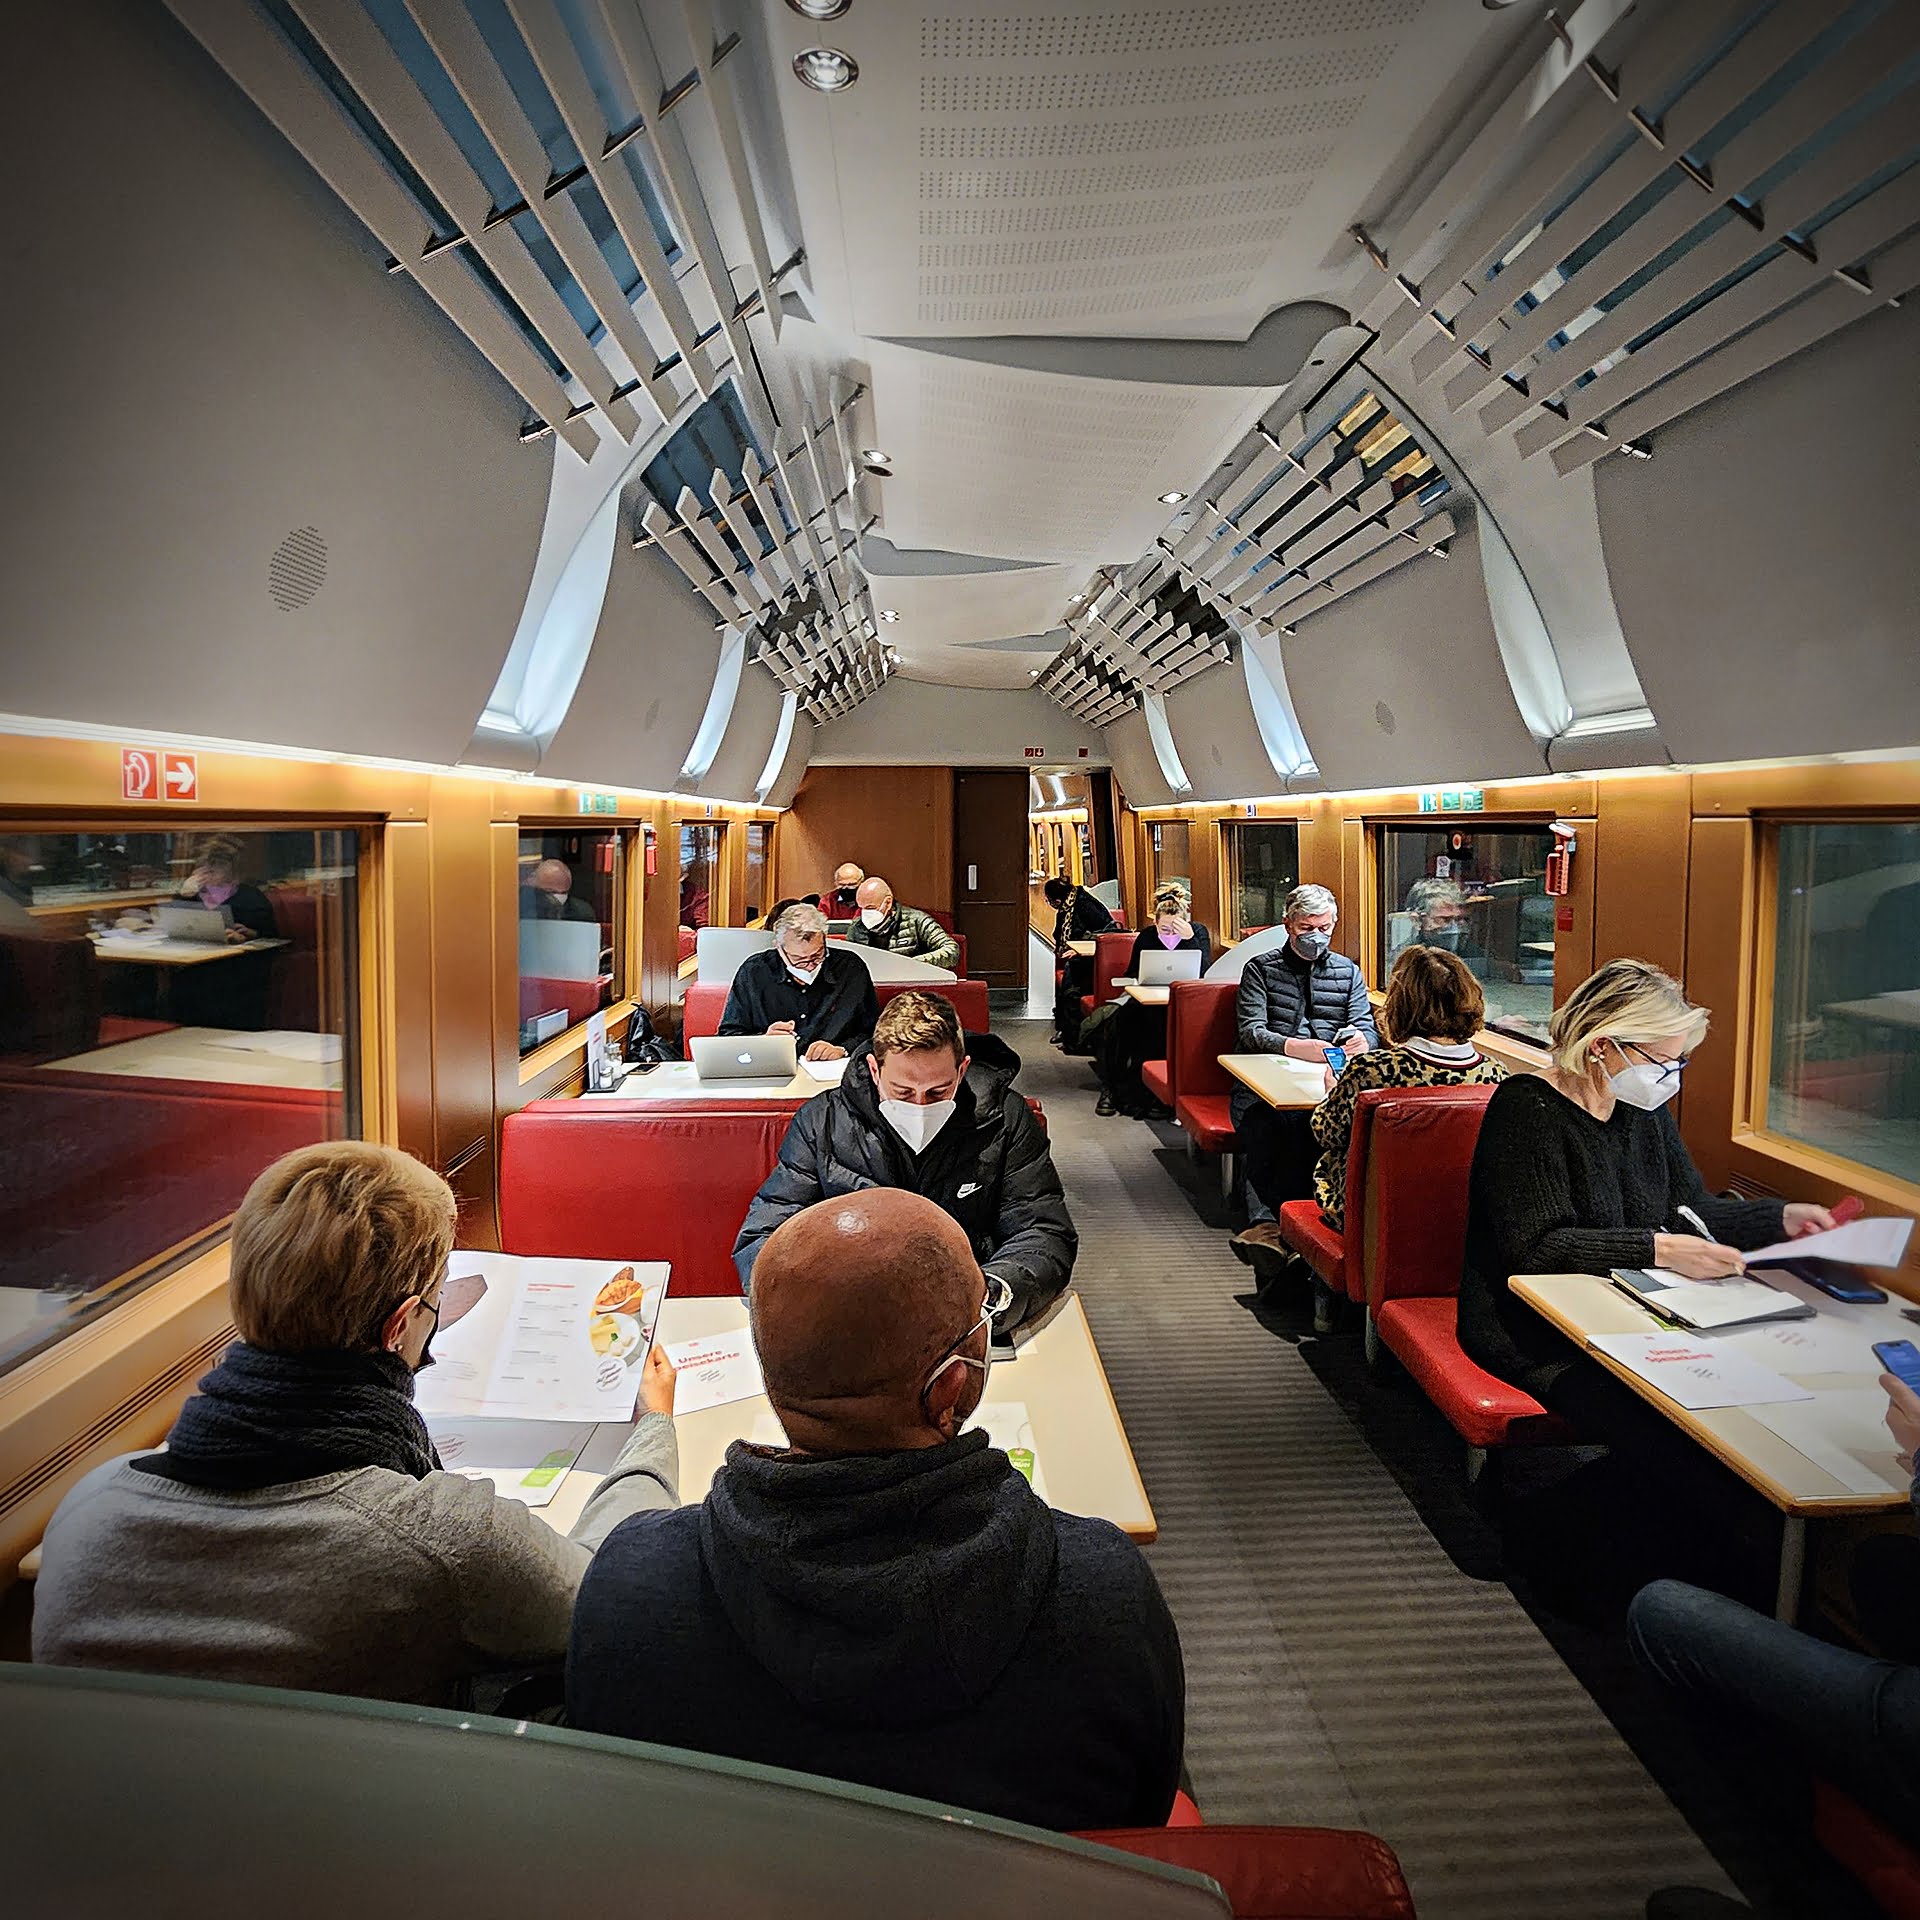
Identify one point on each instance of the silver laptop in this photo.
(1162, 969)
(757, 1056)
(187, 920)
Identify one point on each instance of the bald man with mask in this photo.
(885, 1600)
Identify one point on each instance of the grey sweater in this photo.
(365, 1582)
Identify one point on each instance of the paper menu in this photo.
(533, 1343)
(1846, 1433)
(1824, 1344)
(1696, 1373)
(830, 1072)
(1865, 1243)
(714, 1372)
(526, 1460)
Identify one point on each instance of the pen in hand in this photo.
(1693, 1220)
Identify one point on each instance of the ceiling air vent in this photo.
(298, 569)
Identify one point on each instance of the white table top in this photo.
(677, 1080)
(1278, 1080)
(196, 1053)
(175, 953)
(1145, 996)
(1082, 949)
(1078, 1440)
(1900, 1008)
(1583, 1304)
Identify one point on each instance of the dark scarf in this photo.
(263, 1419)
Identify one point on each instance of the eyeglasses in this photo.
(1669, 1069)
(999, 1299)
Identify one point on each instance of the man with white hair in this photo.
(1301, 1000)
(824, 998)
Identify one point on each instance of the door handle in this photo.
(973, 879)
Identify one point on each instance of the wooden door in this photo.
(990, 874)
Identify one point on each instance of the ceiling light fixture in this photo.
(1171, 499)
(875, 461)
(819, 9)
(825, 69)
(888, 615)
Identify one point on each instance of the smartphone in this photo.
(1901, 1358)
(1336, 1061)
(1836, 1279)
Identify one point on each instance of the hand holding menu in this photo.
(1866, 1243)
(531, 1339)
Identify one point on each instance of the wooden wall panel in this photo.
(466, 964)
(894, 821)
(1639, 870)
(1718, 974)
(408, 907)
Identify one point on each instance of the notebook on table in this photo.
(1707, 1305)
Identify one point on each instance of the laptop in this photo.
(756, 1056)
(186, 920)
(1162, 969)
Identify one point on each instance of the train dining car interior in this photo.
(961, 957)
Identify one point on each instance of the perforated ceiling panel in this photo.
(1206, 157)
(960, 628)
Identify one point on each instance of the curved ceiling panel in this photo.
(1764, 559)
(974, 628)
(1135, 764)
(742, 758)
(915, 723)
(641, 697)
(245, 518)
(1401, 681)
(1219, 739)
(787, 781)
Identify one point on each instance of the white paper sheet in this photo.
(829, 1071)
(1697, 1373)
(322, 1048)
(1866, 1243)
(526, 1460)
(526, 1349)
(1705, 1304)
(1847, 1434)
(714, 1373)
(1006, 1424)
(1824, 1344)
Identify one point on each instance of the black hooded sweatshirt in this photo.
(919, 1622)
(989, 1167)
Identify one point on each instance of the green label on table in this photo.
(549, 1469)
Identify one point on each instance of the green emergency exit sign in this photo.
(1453, 800)
(599, 803)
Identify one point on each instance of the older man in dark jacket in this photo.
(915, 1110)
(1300, 1000)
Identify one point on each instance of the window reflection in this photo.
(1172, 862)
(1479, 893)
(176, 1011)
(1844, 1069)
(569, 895)
(1263, 863)
(759, 838)
(699, 874)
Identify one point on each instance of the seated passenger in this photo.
(824, 998)
(1298, 1000)
(914, 1111)
(548, 895)
(1435, 916)
(1077, 915)
(1134, 1034)
(1580, 1169)
(1783, 1703)
(297, 1531)
(885, 1600)
(885, 923)
(236, 993)
(840, 904)
(1433, 1009)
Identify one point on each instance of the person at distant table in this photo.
(235, 992)
(548, 895)
(1298, 1000)
(215, 882)
(841, 903)
(298, 1530)
(883, 922)
(822, 996)
(884, 1599)
(1134, 1034)
(1077, 915)
(932, 1109)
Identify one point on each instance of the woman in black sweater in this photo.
(1135, 1033)
(1580, 1169)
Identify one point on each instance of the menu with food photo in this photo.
(528, 1338)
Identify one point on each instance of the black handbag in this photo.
(644, 1045)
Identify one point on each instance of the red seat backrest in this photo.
(1412, 1180)
(707, 1001)
(1111, 952)
(1200, 1028)
(616, 1179)
(49, 996)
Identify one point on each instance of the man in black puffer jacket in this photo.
(915, 1110)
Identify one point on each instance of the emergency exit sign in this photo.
(1036, 753)
(598, 803)
(1453, 800)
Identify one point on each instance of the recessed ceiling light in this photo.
(1074, 599)
(826, 69)
(874, 457)
(1171, 499)
(888, 615)
(820, 9)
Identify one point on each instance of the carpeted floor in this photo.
(1344, 1666)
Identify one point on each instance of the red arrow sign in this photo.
(136, 773)
(180, 775)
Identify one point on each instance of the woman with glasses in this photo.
(1581, 1169)
(298, 1530)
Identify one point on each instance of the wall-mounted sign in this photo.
(1036, 753)
(139, 774)
(180, 776)
(1453, 800)
(598, 802)
(1083, 753)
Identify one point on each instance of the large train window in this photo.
(1478, 892)
(700, 842)
(177, 1009)
(1263, 865)
(569, 920)
(1843, 1062)
(1172, 858)
(759, 839)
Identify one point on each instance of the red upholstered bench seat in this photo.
(1208, 1117)
(1304, 1228)
(707, 1001)
(1480, 1407)
(1200, 1028)
(1281, 1873)
(1876, 1856)
(1154, 1077)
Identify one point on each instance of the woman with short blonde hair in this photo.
(297, 1530)
(1579, 1168)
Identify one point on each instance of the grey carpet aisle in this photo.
(1341, 1670)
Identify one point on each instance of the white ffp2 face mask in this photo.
(916, 1125)
(871, 916)
(1643, 1085)
(805, 975)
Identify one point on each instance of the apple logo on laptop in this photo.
(744, 1059)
